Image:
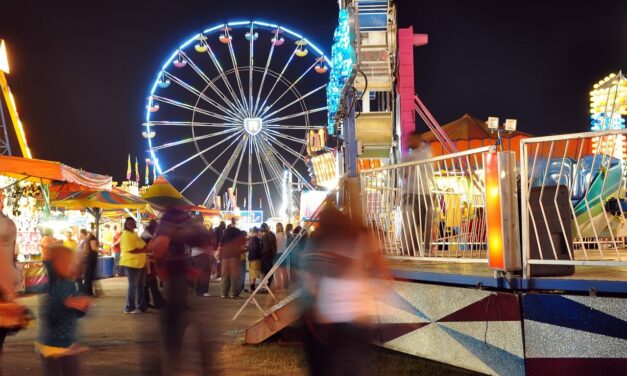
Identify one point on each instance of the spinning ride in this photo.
(231, 108)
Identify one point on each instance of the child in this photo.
(60, 309)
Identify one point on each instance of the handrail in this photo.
(284, 255)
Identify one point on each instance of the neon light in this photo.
(496, 259)
(4, 59)
(195, 38)
(342, 57)
(608, 102)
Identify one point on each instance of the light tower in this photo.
(608, 104)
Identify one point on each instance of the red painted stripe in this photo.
(495, 307)
(576, 366)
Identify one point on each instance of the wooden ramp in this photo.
(275, 319)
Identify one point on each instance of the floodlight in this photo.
(493, 123)
(510, 125)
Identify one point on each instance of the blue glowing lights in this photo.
(601, 122)
(342, 57)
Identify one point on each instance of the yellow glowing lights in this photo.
(493, 212)
(4, 59)
(608, 103)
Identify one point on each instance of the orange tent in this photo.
(468, 132)
(48, 171)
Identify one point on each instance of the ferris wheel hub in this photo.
(252, 125)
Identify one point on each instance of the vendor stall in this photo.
(26, 187)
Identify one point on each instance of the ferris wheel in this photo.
(232, 107)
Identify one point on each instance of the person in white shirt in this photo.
(281, 278)
(418, 200)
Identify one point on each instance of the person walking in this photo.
(115, 251)
(69, 241)
(281, 280)
(153, 296)
(201, 260)
(219, 233)
(133, 259)
(232, 249)
(8, 273)
(60, 310)
(89, 257)
(254, 257)
(268, 250)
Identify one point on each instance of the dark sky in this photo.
(81, 70)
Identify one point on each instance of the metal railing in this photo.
(573, 199)
(264, 284)
(429, 209)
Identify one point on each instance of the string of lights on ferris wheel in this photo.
(243, 116)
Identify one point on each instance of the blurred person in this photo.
(176, 233)
(47, 240)
(254, 258)
(107, 238)
(268, 251)
(242, 262)
(133, 258)
(69, 241)
(8, 272)
(115, 251)
(232, 241)
(297, 251)
(202, 261)
(281, 280)
(60, 310)
(219, 233)
(418, 202)
(89, 257)
(338, 272)
(152, 295)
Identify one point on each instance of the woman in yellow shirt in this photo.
(133, 259)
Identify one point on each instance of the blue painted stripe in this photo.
(515, 284)
(559, 311)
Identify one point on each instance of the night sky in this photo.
(81, 70)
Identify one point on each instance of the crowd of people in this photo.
(179, 255)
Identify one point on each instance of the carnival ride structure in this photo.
(231, 108)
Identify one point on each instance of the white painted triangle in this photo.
(506, 335)
(546, 340)
(611, 306)
(438, 301)
(432, 342)
(389, 314)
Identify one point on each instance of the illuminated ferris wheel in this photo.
(231, 108)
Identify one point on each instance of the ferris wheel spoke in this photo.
(250, 174)
(302, 97)
(237, 76)
(263, 177)
(208, 166)
(280, 144)
(285, 162)
(286, 136)
(271, 162)
(278, 79)
(292, 85)
(223, 77)
(241, 158)
(201, 152)
(202, 96)
(265, 72)
(303, 113)
(192, 139)
(217, 186)
(210, 82)
(292, 126)
(186, 106)
(250, 69)
(192, 124)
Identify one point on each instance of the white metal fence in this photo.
(573, 200)
(429, 209)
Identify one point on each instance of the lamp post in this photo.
(509, 127)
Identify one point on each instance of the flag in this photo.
(136, 170)
(147, 174)
(128, 168)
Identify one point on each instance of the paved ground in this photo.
(120, 343)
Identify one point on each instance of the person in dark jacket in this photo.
(254, 257)
(268, 250)
(154, 299)
(232, 250)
